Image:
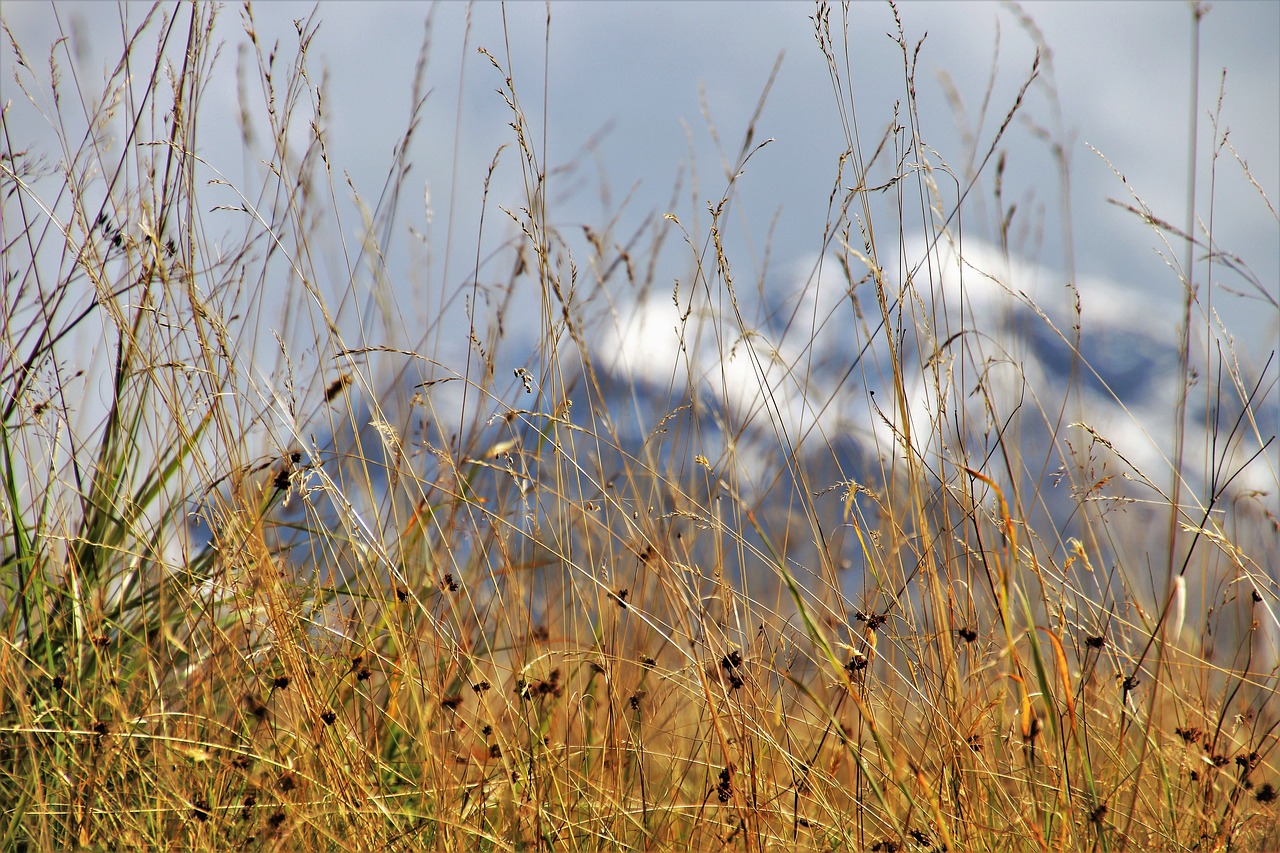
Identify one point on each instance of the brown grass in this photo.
(266, 584)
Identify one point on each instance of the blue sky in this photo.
(625, 85)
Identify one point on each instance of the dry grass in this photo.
(275, 577)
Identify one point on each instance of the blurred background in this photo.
(619, 91)
(638, 110)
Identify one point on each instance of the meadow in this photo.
(848, 571)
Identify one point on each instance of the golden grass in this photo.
(527, 628)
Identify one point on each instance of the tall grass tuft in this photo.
(844, 573)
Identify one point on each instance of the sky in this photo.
(621, 98)
(629, 76)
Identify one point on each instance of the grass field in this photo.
(275, 577)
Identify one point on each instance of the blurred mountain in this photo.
(1060, 391)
